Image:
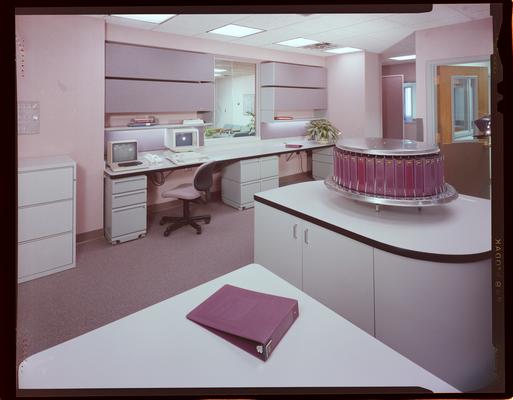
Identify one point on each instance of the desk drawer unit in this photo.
(322, 163)
(241, 180)
(125, 208)
(46, 216)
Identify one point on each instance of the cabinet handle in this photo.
(294, 231)
(306, 236)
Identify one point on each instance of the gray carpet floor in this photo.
(110, 282)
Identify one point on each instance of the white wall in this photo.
(354, 94)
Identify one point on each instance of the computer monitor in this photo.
(182, 139)
(121, 151)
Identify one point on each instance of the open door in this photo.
(392, 106)
(463, 97)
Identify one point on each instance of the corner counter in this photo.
(419, 281)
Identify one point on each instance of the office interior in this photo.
(84, 81)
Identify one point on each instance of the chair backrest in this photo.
(203, 177)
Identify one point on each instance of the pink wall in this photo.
(354, 95)
(64, 71)
(460, 41)
(406, 69)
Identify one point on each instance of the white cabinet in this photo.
(338, 272)
(125, 208)
(335, 270)
(46, 216)
(322, 163)
(241, 180)
(292, 75)
(433, 311)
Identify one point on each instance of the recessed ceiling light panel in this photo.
(219, 70)
(343, 50)
(298, 42)
(235, 30)
(152, 18)
(402, 58)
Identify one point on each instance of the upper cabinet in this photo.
(292, 75)
(141, 79)
(292, 89)
(139, 62)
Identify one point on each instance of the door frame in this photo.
(431, 95)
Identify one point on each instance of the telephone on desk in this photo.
(190, 157)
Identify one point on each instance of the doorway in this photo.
(461, 96)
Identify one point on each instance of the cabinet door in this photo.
(439, 315)
(282, 74)
(293, 99)
(122, 95)
(338, 272)
(129, 61)
(278, 243)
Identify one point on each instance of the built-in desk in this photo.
(226, 153)
(158, 347)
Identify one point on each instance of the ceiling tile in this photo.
(271, 21)
(472, 10)
(130, 22)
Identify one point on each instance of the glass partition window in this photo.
(409, 101)
(235, 110)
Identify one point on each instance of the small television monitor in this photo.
(182, 139)
(122, 153)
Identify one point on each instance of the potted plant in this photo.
(322, 130)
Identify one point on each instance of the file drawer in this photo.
(247, 190)
(268, 167)
(128, 220)
(46, 185)
(324, 155)
(45, 254)
(45, 220)
(128, 199)
(128, 184)
(321, 170)
(270, 183)
(243, 171)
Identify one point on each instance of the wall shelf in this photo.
(133, 128)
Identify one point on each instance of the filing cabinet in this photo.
(241, 180)
(46, 216)
(125, 208)
(322, 163)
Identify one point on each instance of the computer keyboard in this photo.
(189, 157)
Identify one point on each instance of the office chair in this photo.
(190, 192)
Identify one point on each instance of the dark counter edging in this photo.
(418, 255)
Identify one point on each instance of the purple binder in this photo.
(389, 177)
(335, 166)
(340, 165)
(360, 185)
(353, 172)
(369, 175)
(409, 178)
(380, 176)
(345, 170)
(399, 177)
(439, 177)
(253, 321)
(419, 177)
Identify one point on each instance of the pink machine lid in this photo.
(241, 312)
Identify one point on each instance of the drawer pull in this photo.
(306, 236)
(294, 231)
(127, 208)
(117, 196)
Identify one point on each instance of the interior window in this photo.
(409, 101)
(235, 110)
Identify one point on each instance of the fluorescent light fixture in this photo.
(235, 30)
(401, 58)
(218, 74)
(298, 42)
(219, 70)
(152, 18)
(343, 50)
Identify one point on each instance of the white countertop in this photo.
(461, 227)
(227, 152)
(159, 348)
